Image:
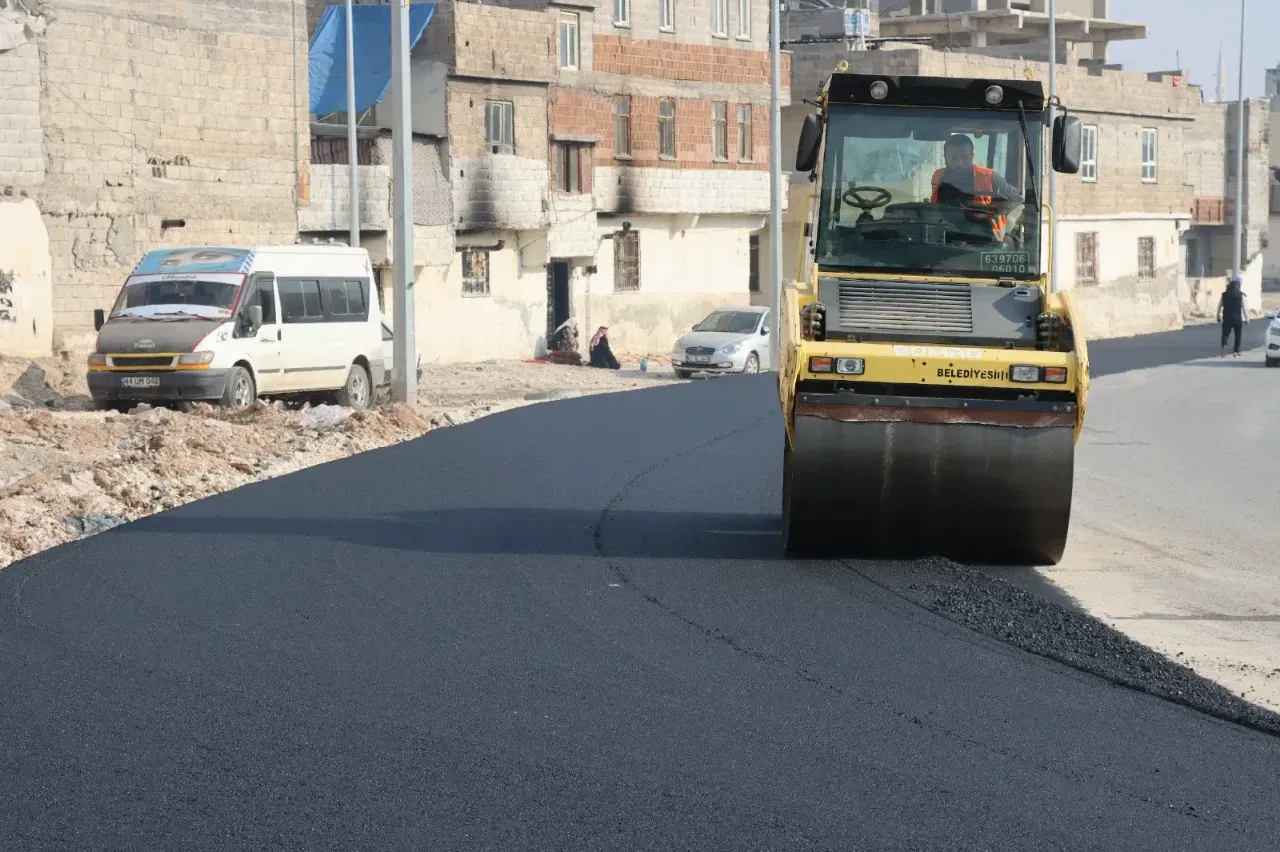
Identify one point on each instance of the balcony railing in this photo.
(1209, 210)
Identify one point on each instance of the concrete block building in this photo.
(604, 162)
(992, 23)
(191, 127)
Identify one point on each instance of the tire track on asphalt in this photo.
(815, 679)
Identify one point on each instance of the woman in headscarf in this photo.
(601, 354)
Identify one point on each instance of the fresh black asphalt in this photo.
(568, 627)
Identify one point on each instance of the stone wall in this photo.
(499, 190)
(195, 111)
(21, 134)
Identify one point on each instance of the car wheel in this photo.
(357, 393)
(1272, 362)
(753, 364)
(241, 391)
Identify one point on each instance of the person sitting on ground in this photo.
(601, 354)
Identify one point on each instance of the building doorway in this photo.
(557, 295)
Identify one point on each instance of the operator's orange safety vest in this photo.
(983, 181)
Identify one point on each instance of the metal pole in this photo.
(405, 386)
(775, 176)
(353, 192)
(1238, 216)
(1053, 176)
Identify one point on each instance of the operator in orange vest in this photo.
(963, 181)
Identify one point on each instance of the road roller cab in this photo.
(933, 382)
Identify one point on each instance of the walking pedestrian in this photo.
(1233, 313)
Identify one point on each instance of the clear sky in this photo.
(1196, 30)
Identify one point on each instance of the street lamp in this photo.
(353, 192)
(1053, 175)
(775, 177)
(1238, 216)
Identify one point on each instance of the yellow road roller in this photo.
(932, 379)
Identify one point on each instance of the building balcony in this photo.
(1210, 210)
(330, 205)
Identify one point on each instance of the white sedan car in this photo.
(729, 340)
(1272, 350)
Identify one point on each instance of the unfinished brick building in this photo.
(605, 163)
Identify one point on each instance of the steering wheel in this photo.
(853, 197)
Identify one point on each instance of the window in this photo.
(626, 261)
(667, 129)
(571, 167)
(622, 127)
(1148, 154)
(720, 17)
(318, 300)
(744, 18)
(499, 127)
(1146, 258)
(667, 15)
(569, 40)
(1089, 153)
(744, 133)
(344, 300)
(720, 131)
(1087, 258)
(300, 300)
(622, 13)
(475, 272)
(753, 263)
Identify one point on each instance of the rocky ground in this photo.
(67, 471)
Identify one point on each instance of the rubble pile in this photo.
(68, 471)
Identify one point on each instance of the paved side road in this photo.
(563, 627)
(1174, 535)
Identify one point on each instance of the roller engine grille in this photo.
(887, 306)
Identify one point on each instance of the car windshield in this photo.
(920, 191)
(732, 322)
(176, 297)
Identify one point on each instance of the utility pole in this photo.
(1053, 175)
(1238, 214)
(405, 386)
(775, 177)
(353, 192)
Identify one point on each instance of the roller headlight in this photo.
(850, 366)
(1024, 373)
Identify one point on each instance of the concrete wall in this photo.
(497, 190)
(194, 110)
(21, 132)
(330, 205)
(684, 275)
(26, 281)
(506, 323)
(1121, 303)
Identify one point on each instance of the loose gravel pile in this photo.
(997, 608)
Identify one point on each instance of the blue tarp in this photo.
(372, 47)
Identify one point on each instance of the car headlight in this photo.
(189, 359)
(730, 348)
(1275, 329)
(97, 359)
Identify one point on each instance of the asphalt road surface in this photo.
(568, 627)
